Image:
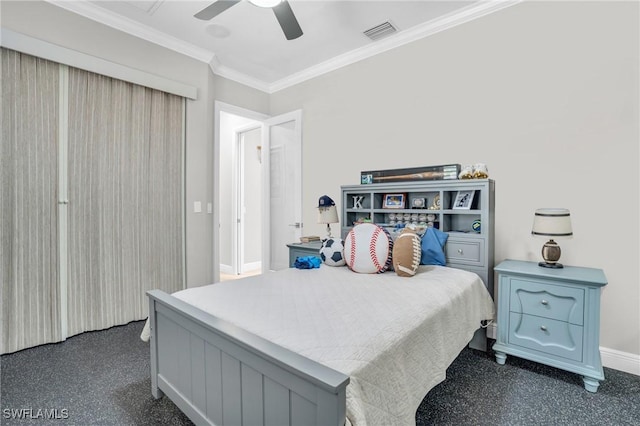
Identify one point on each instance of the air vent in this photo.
(380, 31)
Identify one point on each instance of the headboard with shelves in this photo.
(467, 247)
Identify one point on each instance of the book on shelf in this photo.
(309, 238)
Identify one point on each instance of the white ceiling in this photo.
(245, 43)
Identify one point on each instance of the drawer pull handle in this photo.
(544, 302)
(543, 328)
(460, 251)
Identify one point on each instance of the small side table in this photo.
(551, 316)
(303, 249)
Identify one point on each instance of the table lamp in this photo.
(553, 224)
(327, 213)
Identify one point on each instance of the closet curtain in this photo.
(30, 293)
(125, 182)
(113, 150)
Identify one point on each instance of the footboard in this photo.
(217, 373)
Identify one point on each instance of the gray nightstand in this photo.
(303, 249)
(551, 316)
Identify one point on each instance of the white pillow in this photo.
(368, 249)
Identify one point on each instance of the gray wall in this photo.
(544, 93)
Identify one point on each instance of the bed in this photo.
(323, 346)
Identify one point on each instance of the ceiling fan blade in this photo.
(214, 9)
(287, 20)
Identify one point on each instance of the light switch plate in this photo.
(197, 207)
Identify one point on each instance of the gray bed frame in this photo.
(217, 373)
(220, 374)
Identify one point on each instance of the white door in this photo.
(248, 200)
(282, 190)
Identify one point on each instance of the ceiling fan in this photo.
(281, 9)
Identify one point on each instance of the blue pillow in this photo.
(432, 246)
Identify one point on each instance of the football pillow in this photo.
(368, 249)
(406, 253)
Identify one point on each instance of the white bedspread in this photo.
(393, 336)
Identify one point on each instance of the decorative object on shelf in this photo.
(444, 172)
(551, 223)
(394, 201)
(466, 173)
(418, 203)
(327, 213)
(476, 226)
(435, 205)
(332, 252)
(360, 220)
(463, 200)
(366, 179)
(430, 218)
(357, 201)
(480, 171)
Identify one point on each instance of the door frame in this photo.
(235, 110)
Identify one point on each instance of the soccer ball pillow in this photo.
(368, 249)
(332, 252)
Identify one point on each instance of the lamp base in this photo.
(551, 254)
(550, 265)
(329, 236)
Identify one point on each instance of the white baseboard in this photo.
(226, 269)
(622, 361)
(252, 266)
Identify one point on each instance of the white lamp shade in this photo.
(552, 223)
(328, 214)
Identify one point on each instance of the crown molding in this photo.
(445, 22)
(103, 16)
(220, 70)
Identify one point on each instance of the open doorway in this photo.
(279, 190)
(240, 189)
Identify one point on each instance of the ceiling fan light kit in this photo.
(265, 3)
(281, 8)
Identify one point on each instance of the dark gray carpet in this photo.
(102, 378)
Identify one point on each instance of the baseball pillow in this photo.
(406, 253)
(368, 249)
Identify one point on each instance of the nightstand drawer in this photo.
(544, 300)
(546, 335)
(468, 252)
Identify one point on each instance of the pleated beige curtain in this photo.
(125, 181)
(121, 232)
(30, 297)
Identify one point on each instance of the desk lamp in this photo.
(327, 213)
(553, 224)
